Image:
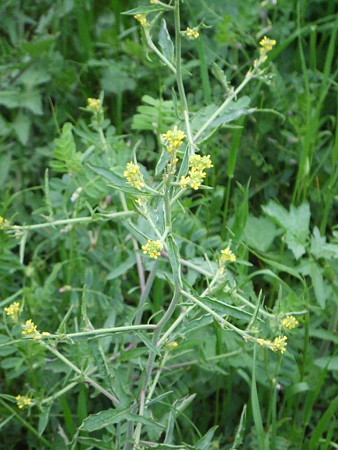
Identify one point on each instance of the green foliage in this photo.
(168, 352)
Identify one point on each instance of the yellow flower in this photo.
(94, 105)
(142, 18)
(4, 223)
(154, 2)
(227, 256)
(13, 311)
(29, 328)
(196, 179)
(192, 33)
(22, 401)
(174, 139)
(196, 173)
(290, 322)
(200, 163)
(153, 248)
(279, 344)
(171, 345)
(134, 176)
(267, 44)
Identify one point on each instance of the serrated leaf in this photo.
(156, 115)
(165, 42)
(295, 224)
(67, 159)
(320, 248)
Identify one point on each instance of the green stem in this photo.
(145, 293)
(117, 215)
(249, 76)
(224, 323)
(179, 78)
(156, 50)
(86, 378)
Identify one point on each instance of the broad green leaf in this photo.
(259, 233)
(297, 388)
(29, 99)
(21, 126)
(39, 45)
(165, 42)
(35, 75)
(325, 335)
(122, 268)
(322, 289)
(117, 80)
(329, 362)
(295, 224)
(320, 248)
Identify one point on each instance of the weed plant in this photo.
(168, 246)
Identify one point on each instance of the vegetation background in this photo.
(273, 197)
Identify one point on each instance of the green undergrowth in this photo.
(141, 310)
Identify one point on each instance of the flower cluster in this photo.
(13, 311)
(153, 248)
(196, 174)
(4, 223)
(22, 401)
(134, 176)
(174, 139)
(94, 105)
(227, 256)
(279, 344)
(192, 33)
(142, 18)
(290, 322)
(30, 329)
(266, 45)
